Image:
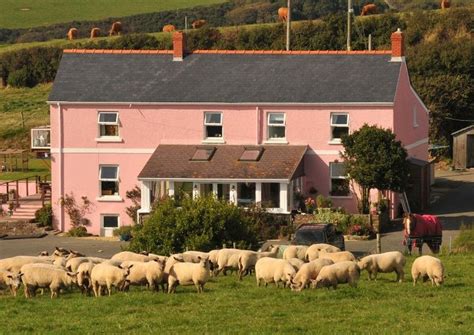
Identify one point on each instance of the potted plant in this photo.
(124, 233)
(310, 205)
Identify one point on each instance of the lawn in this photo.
(33, 13)
(230, 306)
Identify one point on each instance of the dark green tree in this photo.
(373, 158)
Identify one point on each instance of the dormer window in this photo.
(276, 127)
(213, 131)
(339, 126)
(108, 124)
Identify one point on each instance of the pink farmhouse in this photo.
(248, 126)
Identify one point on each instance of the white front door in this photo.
(109, 222)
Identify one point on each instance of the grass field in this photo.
(230, 306)
(33, 13)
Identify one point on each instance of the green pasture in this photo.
(34, 13)
(230, 306)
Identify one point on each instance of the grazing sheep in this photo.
(172, 260)
(247, 259)
(428, 267)
(116, 29)
(60, 251)
(213, 256)
(14, 264)
(307, 272)
(295, 251)
(313, 250)
(168, 28)
(132, 256)
(189, 273)
(274, 270)
(392, 261)
(36, 276)
(194, 256)
(338, 273)
(145, 273)
(296, 263)
(74, 263)
(336, 257)
(44, 253)
(72, 34)
(227, 259)
(198, 24)
(108, 275)
(84, 271)
(95, 32)
(10, 280)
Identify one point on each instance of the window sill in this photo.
(109, 139)
(335, 142)
(213, 141)
(276, 141)
(110, 198)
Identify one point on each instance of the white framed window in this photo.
(339, 180)
(415, 117)
(213, 129)
(109, 180)
(276, 126)
(108, 124)
(339, 126)
(108, 223)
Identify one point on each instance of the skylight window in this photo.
(203, 154)
(251, 154)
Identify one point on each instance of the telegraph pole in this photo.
(349, 13)
(288, 24)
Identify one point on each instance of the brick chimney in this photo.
(398, 48)
(179, 46)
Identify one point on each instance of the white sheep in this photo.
(73, 263)
(193, 256)
(132, 256)
(227, 259)
(295, 251)
(336, 257)
(10, 280)
(392, 261)
(296, 262)
(338, 273)
(183, 273)
(313, 250)
(36, 276)
(170, 261)
(14, 264)
(274, 270)
(106, 275)
(247, 259)
(84, 271)
(307, 272)
(428, 267)
(145, 273)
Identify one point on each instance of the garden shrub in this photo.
(465, 241)
(44, 216)
(20, 78)
(80, 231)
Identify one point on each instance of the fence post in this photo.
(27, 191)
(17, 195)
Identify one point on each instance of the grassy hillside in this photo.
(14, 133)
(240, 307)
(33, 13)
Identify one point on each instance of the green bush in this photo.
(80, 231)
(20, 78)
(125, 232)
(323, 202)
(198, 224)
(44, 216)
(465, 241)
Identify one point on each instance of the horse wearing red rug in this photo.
(421, 229)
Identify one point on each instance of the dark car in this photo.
(307, 234)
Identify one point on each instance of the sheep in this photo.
(14, 264)
(10, 280)
(428, 267)
(132, 256)
(392, 261)
(296, 263)
(247, 259)
(145, 273)
(116, 29)
(274, 270)
(58, 251)
(213, 256)
(189, 273)
(74, 263)
(193, 256)
(295, 251)
(227, 259)
(307, 272)
(95, 32)
(173, 259)
(338, 273)
(168, 28)
(108, 275)
(72, 34)
(313, 250)
(84, 271)
(36, 276)
(336, 257)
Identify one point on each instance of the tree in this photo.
(373, 158)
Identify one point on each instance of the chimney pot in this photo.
(398, 48)
(179, 46)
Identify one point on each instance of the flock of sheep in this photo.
(316, 266)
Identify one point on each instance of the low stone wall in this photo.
(14, 228)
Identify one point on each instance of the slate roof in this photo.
(174, 161)
(457, 132)
(133, 77)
